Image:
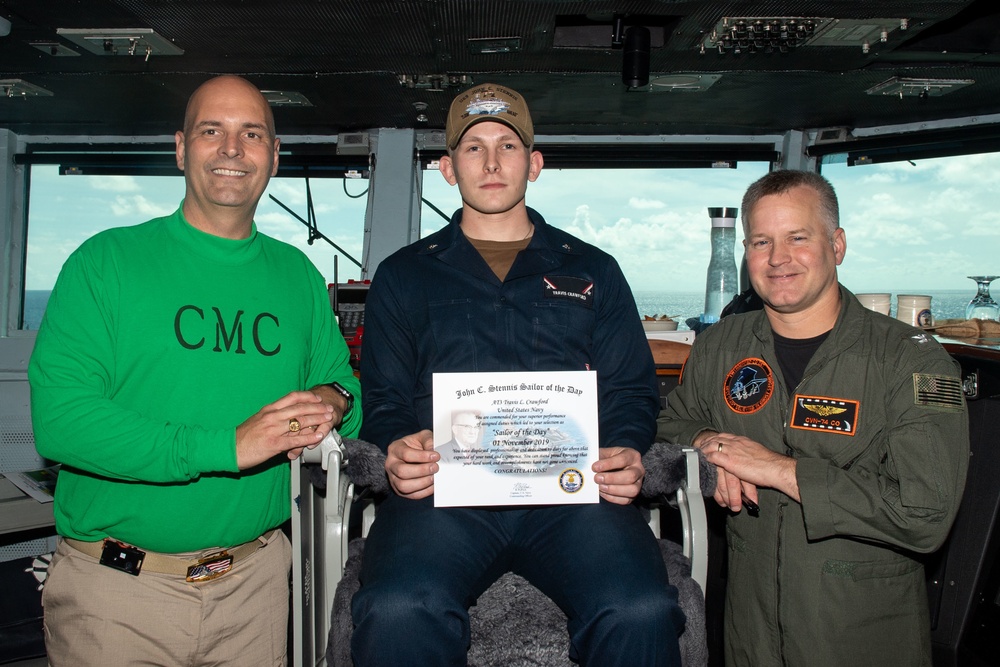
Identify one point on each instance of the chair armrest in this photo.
(332, 456)
(681, 474)
(319, 543)
(694, 519)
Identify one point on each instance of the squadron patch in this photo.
(748, 386)
(819, 413)
(578, 290)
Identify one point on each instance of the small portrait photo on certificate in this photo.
(466, 436)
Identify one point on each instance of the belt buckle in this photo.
(210, 567)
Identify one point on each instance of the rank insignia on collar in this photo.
(575, 289)
(211, 567)
(748, 386)
(820, 413)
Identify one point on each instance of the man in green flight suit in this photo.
(849, 430)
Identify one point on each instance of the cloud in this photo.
(290, 192)
(644, 204)
(665, 248)
(115, 184)
(654, 222)
(927, 224)
(280, 225)
(139, 208)
(881, 178)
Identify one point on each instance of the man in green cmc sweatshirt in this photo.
(180, 365)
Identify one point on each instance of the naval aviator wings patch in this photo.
(822, 413)
(938, 391)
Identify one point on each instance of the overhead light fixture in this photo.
(859, 32)
(761, 34)
(142, 42)
(435, 82)
(831, 135)
(21, 88)
(899, 86)
(54, 49)
(285, 98)
(683, 83)
(485, 45)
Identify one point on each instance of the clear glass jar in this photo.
(722, 282)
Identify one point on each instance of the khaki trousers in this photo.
(95, 615)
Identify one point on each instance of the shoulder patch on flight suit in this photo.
(820, 413)
(748, 385)
(578, 290)
(939, 391)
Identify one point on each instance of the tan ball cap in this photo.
(488, 102)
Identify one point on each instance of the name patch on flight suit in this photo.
(748, 386)
(578, 290)
(819, 413)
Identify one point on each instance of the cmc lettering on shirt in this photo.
(190, 327)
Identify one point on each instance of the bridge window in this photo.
(653, 221)
(920, 226)
(65, 210)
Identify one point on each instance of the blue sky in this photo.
(909, 227)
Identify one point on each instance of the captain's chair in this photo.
(512, 623)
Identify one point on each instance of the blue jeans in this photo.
(425, 566)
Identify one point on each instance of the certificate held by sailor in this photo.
(526, 438)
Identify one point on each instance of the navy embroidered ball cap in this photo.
(488, 101)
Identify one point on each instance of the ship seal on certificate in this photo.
(571, 480)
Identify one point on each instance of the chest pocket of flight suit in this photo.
(835, 428)
(455, 325)
(533, 331)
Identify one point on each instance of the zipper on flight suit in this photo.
(811, 370)
(785, 411)
(777, 587)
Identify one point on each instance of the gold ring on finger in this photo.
(720, 447)
(294, 425)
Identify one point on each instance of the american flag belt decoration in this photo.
(210, 567)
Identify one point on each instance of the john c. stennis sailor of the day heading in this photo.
(524, 386)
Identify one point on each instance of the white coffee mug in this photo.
(877, 301)
(914, 309)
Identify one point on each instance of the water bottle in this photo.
(722, 283)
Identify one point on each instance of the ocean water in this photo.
(945, 304)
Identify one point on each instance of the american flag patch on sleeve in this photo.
(939, 391)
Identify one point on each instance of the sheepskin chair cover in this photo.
(513, 624)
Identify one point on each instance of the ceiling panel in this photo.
(347, 58)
